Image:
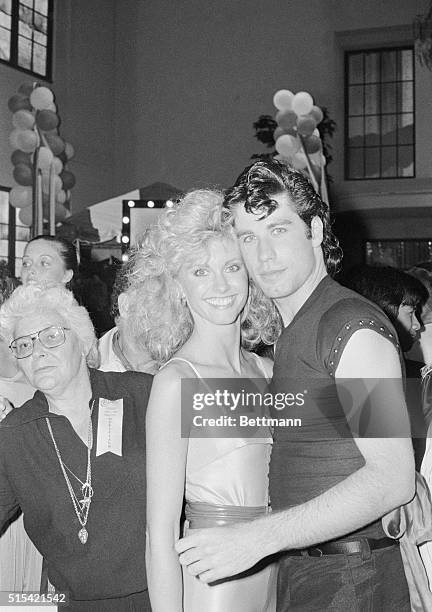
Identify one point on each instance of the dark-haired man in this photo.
(328, 490)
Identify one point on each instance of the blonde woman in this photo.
(201, 317)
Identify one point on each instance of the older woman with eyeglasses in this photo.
(73, 457)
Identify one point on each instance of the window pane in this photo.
(5, 20)
(39, 59)
(406, 65)
(406, 161)
(355, 132)
(24, 52)
(4, 207)
(406, 129)
(388, 97)
(406, 101)
(4, 231)
(371, 67)
(389, 66)
(372, 162)
(355, 102)
(41, 6)
(372, 136)
(6, 6)
(388, 160)
(40, 23)
(24, 29)
(4, 44)
(355, 70)
(372, 99)
(26, 15)
(39, 38)
(355, 163)
(28, 3)
(389, 129)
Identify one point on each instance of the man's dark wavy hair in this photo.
(258, 183)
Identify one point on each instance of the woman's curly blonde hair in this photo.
(157, 310)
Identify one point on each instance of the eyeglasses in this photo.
(49, 337)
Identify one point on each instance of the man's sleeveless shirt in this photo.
(308, 461)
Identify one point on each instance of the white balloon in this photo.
(302, 103)
(283, 99)
(287, 145)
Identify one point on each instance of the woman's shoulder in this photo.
(177, 367)
(263, 364)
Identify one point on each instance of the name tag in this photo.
(110, 427)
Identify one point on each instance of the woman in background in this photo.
(47, 261)
(73, 457)
(202, 316)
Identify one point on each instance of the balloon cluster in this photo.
(297, 139)
(40, 154)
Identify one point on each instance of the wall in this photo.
(159, 90)
(195, 76)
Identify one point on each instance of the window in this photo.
(379, 114)
(26, 35)
(13, 234)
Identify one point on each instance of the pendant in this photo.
(83, 535)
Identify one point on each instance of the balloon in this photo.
(20, 197)
(287, 145)
(26, 88)
(41, 97)
(302, 103)
(23, 175)
(52, 107)
(69, 150)
(57, 165)
(47, 120)
(27, 140)
(312, 144)
(19, 157)
(60, 213)
(68, 179)
(23, 120)
(299, 161)
(317, 114)
(61, 196)
(19, 102)
(286, 119)
(25, 215)
(45, 157)
(56, 143)
(278, 132)
(306, 125)
(57, 182)
(13, 138)
(283, 99)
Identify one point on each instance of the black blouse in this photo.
(112, 562)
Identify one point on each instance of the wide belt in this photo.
(353, 547)
(200, 515)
